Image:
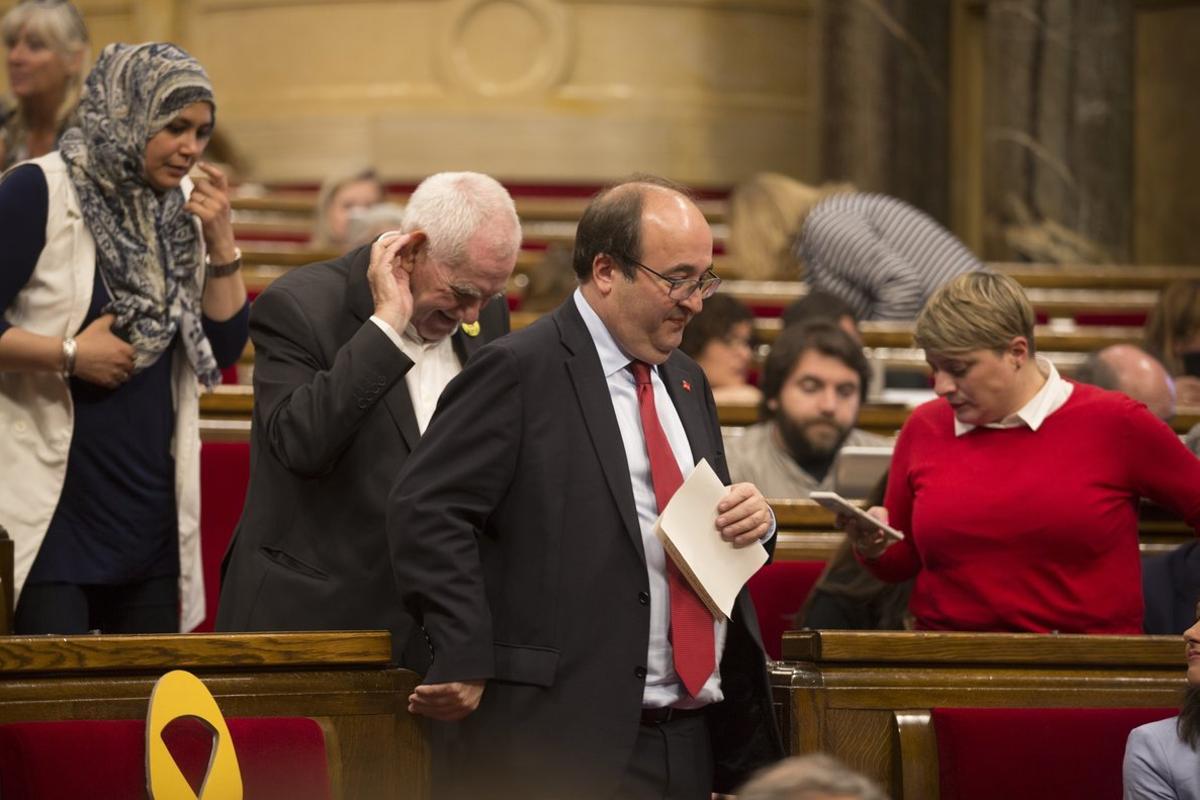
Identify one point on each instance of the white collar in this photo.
(1050, 398)
(612, 358)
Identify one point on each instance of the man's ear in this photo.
(773, 405)
(415, 246)
(604, 271)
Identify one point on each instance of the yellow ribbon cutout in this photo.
(181, 694)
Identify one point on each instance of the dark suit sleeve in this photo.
(440, 504)
(310, 410)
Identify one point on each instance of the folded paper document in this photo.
(688, 532)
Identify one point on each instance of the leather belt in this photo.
(660, 716)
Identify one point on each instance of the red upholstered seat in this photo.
(281, 758)
(224, 476)
(1033, 753)
(778, 591)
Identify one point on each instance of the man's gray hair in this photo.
(451, 207)
(810, 777)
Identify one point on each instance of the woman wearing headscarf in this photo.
(46, 46)
(121, 294)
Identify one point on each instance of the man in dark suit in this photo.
(350, 358)
(522, 540)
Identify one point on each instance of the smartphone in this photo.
(835, 502)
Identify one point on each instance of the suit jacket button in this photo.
(639, 672)
(644, 598)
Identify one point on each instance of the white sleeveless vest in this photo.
(37, 416)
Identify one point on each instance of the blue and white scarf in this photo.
(147, 245)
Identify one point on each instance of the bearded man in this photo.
(814, 383)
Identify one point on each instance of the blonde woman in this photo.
(766, 212)
(47, 50)
(1017, 489)
(340, 199)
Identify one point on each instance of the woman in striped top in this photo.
(881, 255)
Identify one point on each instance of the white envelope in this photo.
(688, 532)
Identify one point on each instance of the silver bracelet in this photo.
(68, 352)
(224, 270)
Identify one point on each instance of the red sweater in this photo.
(1022, 530)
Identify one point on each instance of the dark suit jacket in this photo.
(333, 424)
(516, 544)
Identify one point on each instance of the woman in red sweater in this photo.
(1018, 490)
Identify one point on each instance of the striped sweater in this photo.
(881, 255)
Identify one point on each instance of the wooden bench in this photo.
(851, 694)
(342, 680)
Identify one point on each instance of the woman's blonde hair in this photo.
(1173, 320)
(62, 27)
(322, 235)
(766, 212)
(975, 311)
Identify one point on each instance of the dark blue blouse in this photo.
(116, 518)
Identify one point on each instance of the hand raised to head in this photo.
(389, 276)
(209, 201)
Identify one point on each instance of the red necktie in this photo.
(691, 622)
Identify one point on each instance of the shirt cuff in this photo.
(389, 331)
(766, 537)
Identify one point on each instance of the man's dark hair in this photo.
(612, 224)
(824, 337)
(817, 306)
(720, 313)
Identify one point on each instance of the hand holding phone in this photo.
(835, 502)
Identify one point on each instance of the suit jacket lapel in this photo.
(362, 306)
(595, 404)
(687, 393)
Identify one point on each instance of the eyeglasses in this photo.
(681, 289)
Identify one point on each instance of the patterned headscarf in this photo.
(147, 245)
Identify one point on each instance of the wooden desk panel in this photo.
(343, 680)
(840, 692)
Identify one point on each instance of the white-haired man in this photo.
(350, 358)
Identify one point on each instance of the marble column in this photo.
(884, 98)
(1058, 154)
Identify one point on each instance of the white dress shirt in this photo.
(663, 687)
(434, 365)
(1050, 398)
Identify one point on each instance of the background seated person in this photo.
(340, 196)
(721, 340)
(819, 306)
(1173, 336)
(813, 386)
(1129, 369)
(1161, 758)
(1018, 490)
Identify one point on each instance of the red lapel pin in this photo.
(687, 387)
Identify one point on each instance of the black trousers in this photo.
(671, 761)
(149, 606)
